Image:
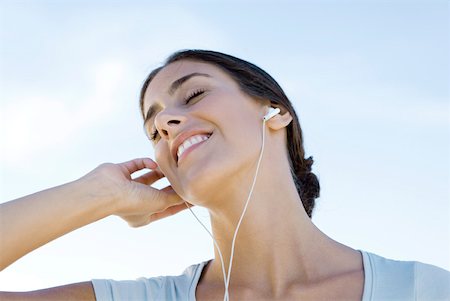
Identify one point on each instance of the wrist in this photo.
(97, 197)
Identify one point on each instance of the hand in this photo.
(134, 200)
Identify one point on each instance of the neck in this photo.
(277, 243)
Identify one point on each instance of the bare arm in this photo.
(75, 292)
(32, 221)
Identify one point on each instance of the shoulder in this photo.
(432, 282)
(155, 288)
(388, 279)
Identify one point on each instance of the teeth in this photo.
(189, 142)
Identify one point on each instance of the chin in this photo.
(212, 182)
(201, 185)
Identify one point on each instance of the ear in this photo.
(279, 121)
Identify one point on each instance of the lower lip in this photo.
(190, 149)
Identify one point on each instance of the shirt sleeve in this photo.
(160, 288)
(141, 289)
(432, 283)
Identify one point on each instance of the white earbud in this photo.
(272, 112)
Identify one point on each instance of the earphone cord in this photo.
(215, 243)
(227, 276)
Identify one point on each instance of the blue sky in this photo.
(369, 80)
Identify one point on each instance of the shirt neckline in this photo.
(367, 267)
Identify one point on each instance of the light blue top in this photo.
(384, 279)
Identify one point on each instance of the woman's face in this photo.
(206, 131)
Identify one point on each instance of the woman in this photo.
(204, 112)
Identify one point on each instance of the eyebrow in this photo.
(172, 89)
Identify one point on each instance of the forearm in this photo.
(32, 221)
(83, 291)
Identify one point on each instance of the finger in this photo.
(171, 198)
(149, 177)
(188, 205)
(167, 212)
(168, 189)
(151, 199)
(139, 220)
(171, 195)
(138, 164)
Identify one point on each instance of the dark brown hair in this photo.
(260, 85)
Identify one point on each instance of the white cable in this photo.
(217, 246)
(245, 208)
(225, 275)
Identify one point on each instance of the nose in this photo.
(168, 122)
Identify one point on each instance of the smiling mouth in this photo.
(191, 141)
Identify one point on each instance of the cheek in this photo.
(162, 157)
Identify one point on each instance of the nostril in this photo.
(165, 132)
(170, 122)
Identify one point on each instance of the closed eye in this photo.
(193, 95)
(154, 135)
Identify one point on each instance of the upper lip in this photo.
(179, 139)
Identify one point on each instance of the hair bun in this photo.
(308, 163)
(309, 185)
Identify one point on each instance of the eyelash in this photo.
(193, 95)
(190, 97)
(154, 135)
